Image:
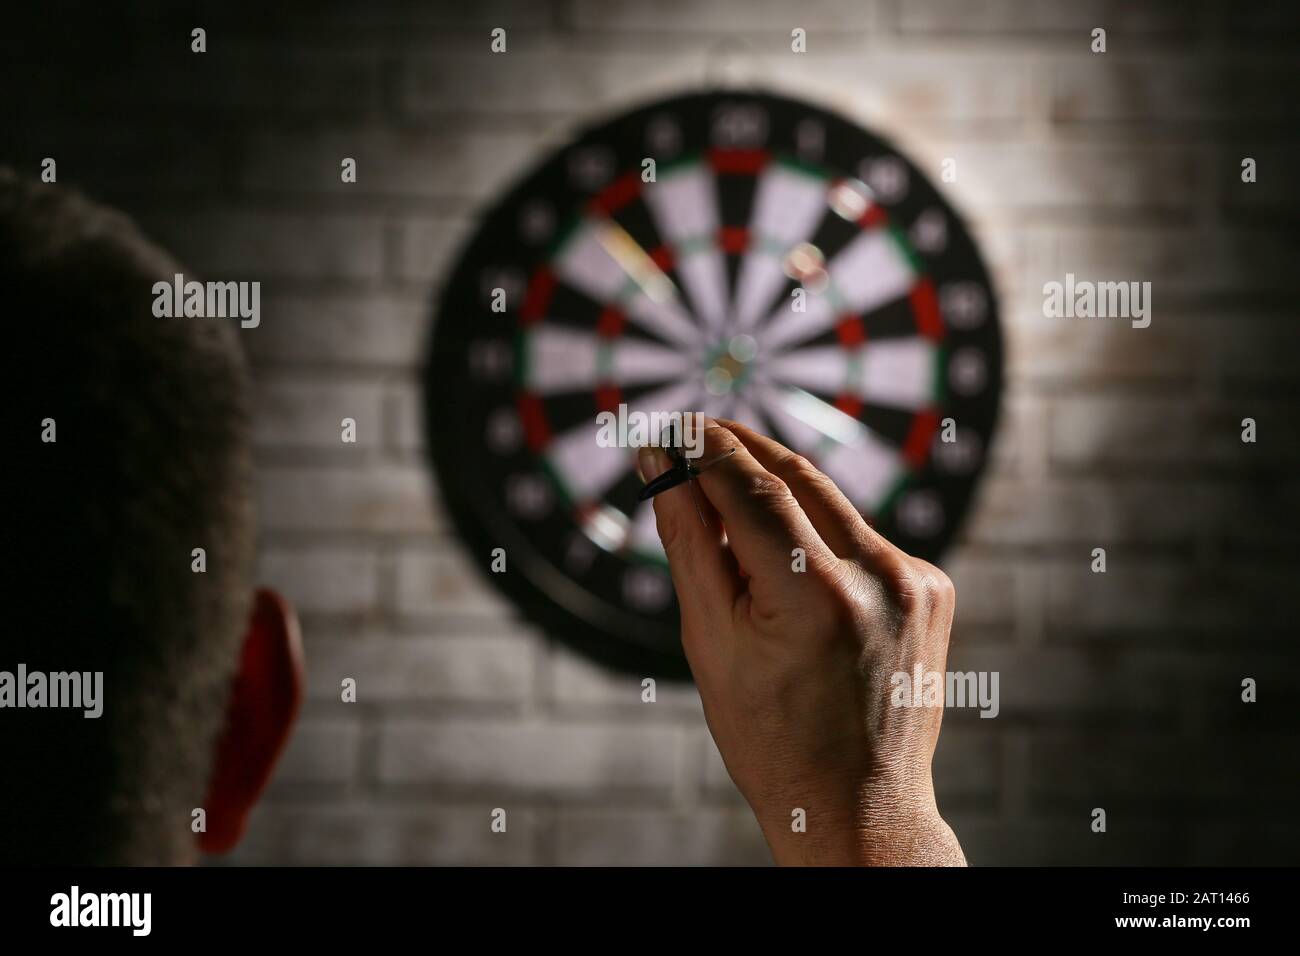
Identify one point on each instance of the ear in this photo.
(264, 701)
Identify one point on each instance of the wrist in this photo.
(895, 826)
(927, 840)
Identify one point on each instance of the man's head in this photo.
(132, 447)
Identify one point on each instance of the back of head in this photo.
(131, 447)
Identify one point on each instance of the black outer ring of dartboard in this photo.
(615, 637)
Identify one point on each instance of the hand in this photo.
(794, 666)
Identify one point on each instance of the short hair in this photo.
(151, 458)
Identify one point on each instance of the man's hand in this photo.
(794, 666)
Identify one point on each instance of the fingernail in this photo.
(651, 462)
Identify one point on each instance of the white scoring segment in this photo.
(715, 406)
(898, 373)
(794, 425)
(685, 209)
(601, 261)
(560, 359)
(665, 319)
(662, 402)
(869, 272)
(637, 362)
(587, 468)
(749, 414)
(823, 369)
(788, 206)
(864, 467)
(704, 274)
(587, 264)
(684, 203)
(865, 470)
(787, 327)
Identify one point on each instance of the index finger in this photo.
(764, 522)
(836, 518)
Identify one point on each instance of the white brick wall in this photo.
(1121, 166)
(420, 668)
(576, 760)
(1066, 161)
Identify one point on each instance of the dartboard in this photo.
(740, 254)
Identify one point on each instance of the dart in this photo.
(682, 470)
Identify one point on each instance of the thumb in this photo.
(704, 572)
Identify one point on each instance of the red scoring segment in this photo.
(733, 239)
(917, 447)
(925, 307)
(537, 431)
(611, 322)
(617, 194)
(663, 258)
(538, 296)
(739, 161)
(608, 397)
(850, 331)
(849, 404)
(873, 217)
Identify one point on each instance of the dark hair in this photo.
(151, 460)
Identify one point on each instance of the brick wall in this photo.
(1118, 690)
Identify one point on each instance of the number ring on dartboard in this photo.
(775, 264)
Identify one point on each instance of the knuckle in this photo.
(841, 599)
(770, 488)
(717, 438)
(844, 604)
(926, 587)
(939, 586)
(797, 468)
